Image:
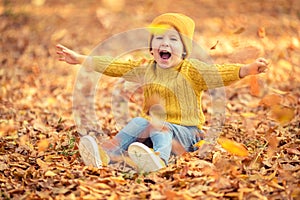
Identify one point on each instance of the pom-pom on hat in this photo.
(182, 23)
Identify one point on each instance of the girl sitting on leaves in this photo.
(174, 80)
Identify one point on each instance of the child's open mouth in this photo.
(165, 55)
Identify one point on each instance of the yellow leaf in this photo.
(277, 91)
(233, 147)
(104, 157)
(118, 179)
(248, 114)
(271, 176)
(43, 145)
(50, 173)
(51, 101)
(200, 143)
(282, 114)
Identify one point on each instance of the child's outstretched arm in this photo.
(107, 65)
(69, 56)
(260, 65)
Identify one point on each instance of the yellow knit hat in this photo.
(182, 23)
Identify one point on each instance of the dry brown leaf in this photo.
(43, 165)
(3, 166)
(273, 143)
(119, 180)
(176, 195)
(293, 151)
(239, 31)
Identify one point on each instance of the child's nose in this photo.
(165, 42)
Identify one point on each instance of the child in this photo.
(172, 86)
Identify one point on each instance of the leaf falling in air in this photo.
(239, 31)
(282, 114)
(215, 46)
(261, 32)
(254, 86)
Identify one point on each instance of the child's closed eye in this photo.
(159, 37)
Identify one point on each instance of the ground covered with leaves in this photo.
(257, 156)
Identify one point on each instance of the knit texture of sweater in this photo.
(177, 90)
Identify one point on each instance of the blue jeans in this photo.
(139, 129)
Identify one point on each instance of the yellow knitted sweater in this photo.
(179, 88)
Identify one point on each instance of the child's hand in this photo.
(68, 55)
(260, 65)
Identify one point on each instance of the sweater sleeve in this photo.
(129, 70)
(205, 76)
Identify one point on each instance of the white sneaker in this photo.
(145, 158)
(88, 150)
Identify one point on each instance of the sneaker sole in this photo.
(145, 159)
(88, 150)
